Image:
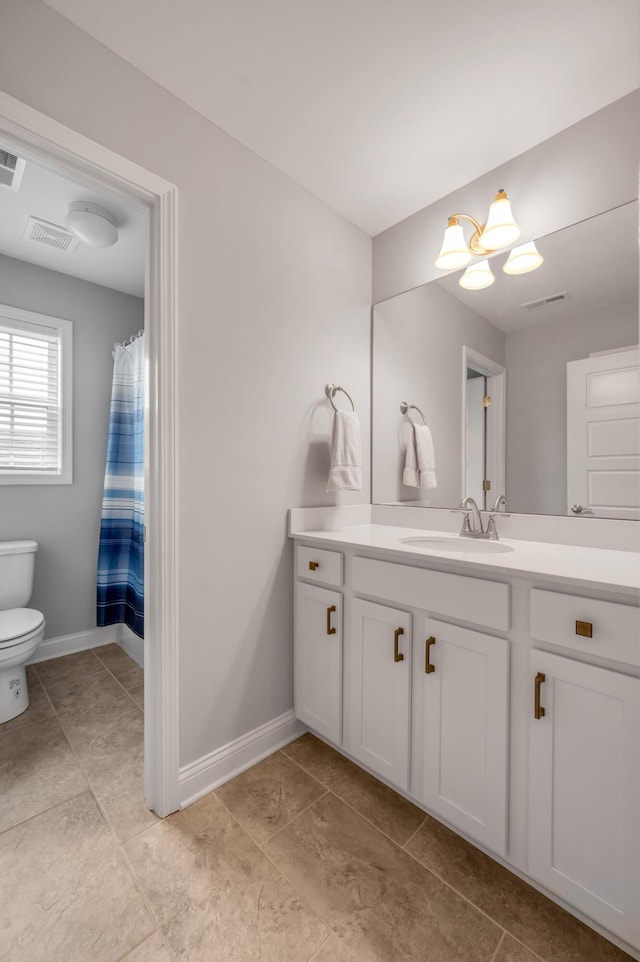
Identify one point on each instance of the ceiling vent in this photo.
(11, 170)
(51, 235)
(546, 302)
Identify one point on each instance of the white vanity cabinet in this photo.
(584, 799)
(378, 698)
(318, 659)
(506, 703)
(584, 758)
(462, 713)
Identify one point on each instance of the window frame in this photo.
(64, 328)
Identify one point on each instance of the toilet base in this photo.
(14, 694)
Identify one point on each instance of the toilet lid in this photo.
(17, 622)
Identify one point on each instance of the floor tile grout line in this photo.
(368, 820)
(281, 873)
(519, 942)
(44, 811)
(315, 951)
(297, 815)
(498, 947)
(123, 958)
(413, 834)
(409, 854)
(120, 847)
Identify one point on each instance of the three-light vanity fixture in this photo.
(500, 231)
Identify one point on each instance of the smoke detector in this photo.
(51, 235)
(92, 224)
(11, 170)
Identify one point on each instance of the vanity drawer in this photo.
(318, 564)
(474, 600)
(567, 620)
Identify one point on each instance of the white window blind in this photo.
(33, 419)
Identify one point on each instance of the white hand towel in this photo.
(410, 477)
(345, 473)
(420, 469)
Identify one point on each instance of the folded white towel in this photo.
(345, 473)
(420, 468)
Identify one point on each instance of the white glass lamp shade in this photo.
(477, 276)
(454, 252)
(92, 224)
(523, 259)
(501, 229)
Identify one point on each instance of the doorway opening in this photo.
(35, 137)
(483, 428)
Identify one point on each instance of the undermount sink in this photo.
(456, 543)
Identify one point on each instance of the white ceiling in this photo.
(46, 195)
(379, 107)
(595, 262)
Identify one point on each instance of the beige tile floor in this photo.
(303, 858)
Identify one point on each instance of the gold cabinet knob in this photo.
(584, 628)
(313, 565)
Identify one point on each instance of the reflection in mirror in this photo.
(566, 331)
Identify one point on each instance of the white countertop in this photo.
(602, 568)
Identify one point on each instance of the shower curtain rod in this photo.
(129, 340)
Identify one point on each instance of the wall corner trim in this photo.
(210, 771)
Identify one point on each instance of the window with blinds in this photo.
(35, 398)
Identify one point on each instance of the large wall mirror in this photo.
(530, 387)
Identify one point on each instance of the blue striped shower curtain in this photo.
(121, 551)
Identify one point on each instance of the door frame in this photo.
(35, 136)
(496, 442)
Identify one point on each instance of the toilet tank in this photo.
(17, 559)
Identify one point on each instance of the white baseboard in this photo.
(80, 641)
(209, 772)
(131, 643)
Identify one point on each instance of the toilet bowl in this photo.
(21, 629)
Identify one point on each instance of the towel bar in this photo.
(405, 407)
(330, 390)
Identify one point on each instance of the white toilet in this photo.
(21, 629)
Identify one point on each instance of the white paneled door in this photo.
(584, 789)
(464, 717)
(603, 435)
(378, 700)
(318, 659)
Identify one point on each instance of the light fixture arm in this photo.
(474, 243)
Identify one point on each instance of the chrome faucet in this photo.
(474, 528)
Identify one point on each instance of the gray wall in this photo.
(584, 170)
(65, 518)
(417, 357)
(273, 301)
(537, 401)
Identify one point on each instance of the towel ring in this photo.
(405, 407)
(330, 390)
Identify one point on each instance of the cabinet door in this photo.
(464, 729)
(318, 660)
(378, 701)
(584, 797)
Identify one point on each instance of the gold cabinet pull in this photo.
(584, 628)
(330, 610)
(538, 710)
(397, 655)
(428, 667)
(313, 566)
